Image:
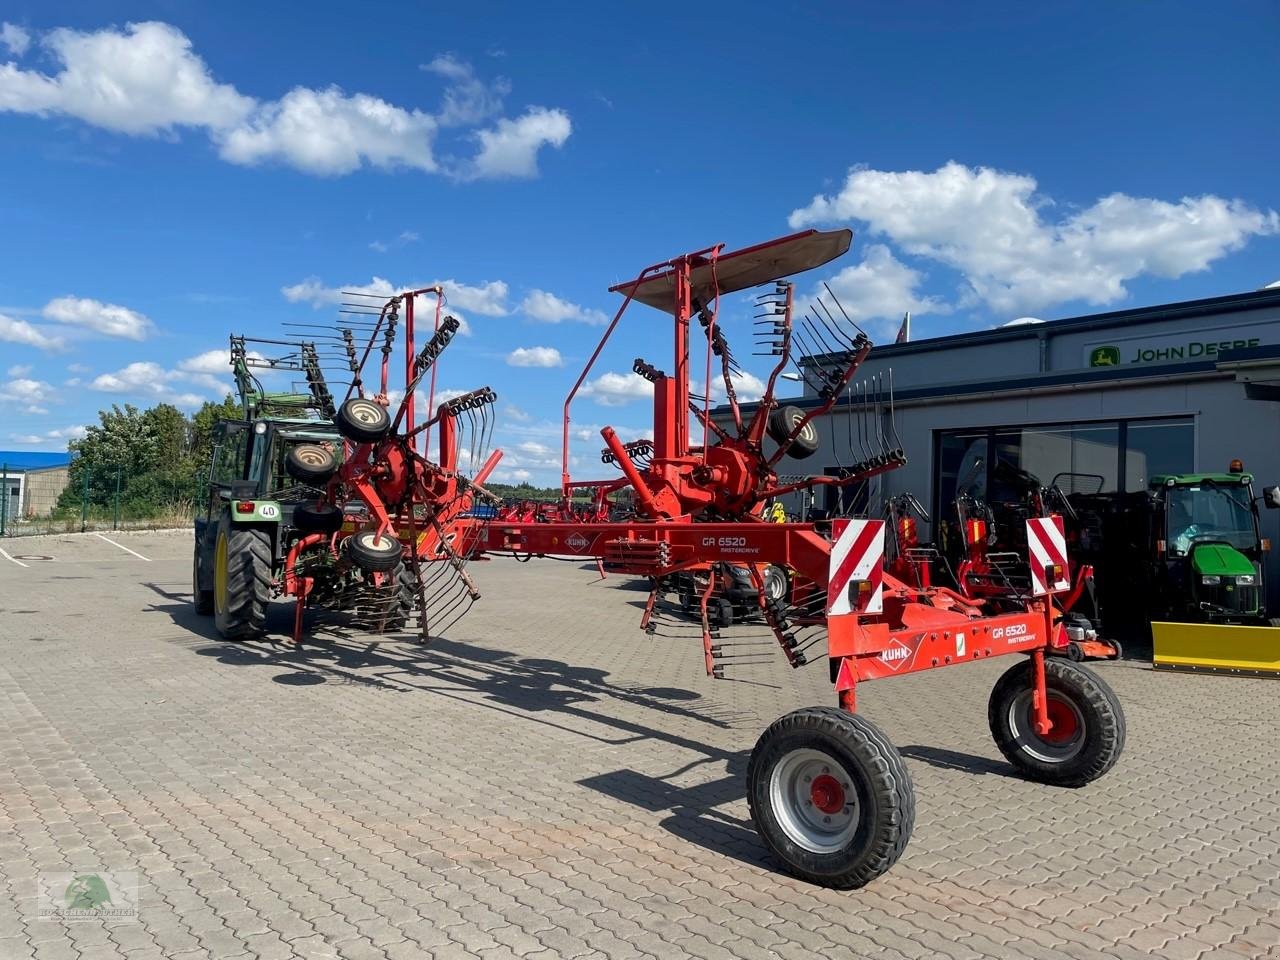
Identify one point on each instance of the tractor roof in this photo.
(744, 268)
(1195, 479)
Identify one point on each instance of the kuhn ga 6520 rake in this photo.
(828, 792)
(384, 542)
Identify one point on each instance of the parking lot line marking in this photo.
(7, 557)
(123, 547)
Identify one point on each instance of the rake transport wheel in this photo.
(317, 517)
(775, 583)
(380, 557)
(310, 463)
(1088, 724)
(782, 421)
(831, 797)
(241, 580)
(363, 421)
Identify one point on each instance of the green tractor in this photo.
(1209, 548)
(267, 471)
(1184, 560)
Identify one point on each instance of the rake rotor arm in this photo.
(643, 496)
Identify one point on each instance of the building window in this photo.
(1156, 447)
(997, 464)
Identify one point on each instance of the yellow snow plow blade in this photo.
(1217, 648)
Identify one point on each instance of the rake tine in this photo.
(840, 307)
(833, 326)
(816, 333)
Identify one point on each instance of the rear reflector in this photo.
(245, 506)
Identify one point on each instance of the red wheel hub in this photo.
(827, 794)
(1065, 725)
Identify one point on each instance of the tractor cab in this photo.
(1207, 536)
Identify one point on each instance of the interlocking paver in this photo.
(547, 781)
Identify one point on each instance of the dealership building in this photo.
(1122, 397)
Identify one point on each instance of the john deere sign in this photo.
(1175, 348)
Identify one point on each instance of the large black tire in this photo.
(202, 598)
(782, 421)
(310, 463)
(1089, 727)
(363, 421)
(317, 518)
(831, 797)
(241, 580)
(382, 557)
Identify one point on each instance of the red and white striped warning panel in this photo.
(1047, 545)
(857, 557)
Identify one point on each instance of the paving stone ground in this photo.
(547, 782)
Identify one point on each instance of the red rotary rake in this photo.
(828, 792)
(388, 511)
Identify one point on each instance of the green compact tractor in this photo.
(1186, 556)
(268, 469)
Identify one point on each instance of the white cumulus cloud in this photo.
(328, 133)
(535, 357)
(880, 288)
(510, 148)
(992, 227)
(146, 378)
(146, 80)
(15, 38)
(616, 389)
(20, 331)
(30, 395)
(142, 80)
(109, 319)
(548, 308)
(488, 299)
(467, 99)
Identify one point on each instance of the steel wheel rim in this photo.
(366, 539)
(1022, 725)
(366, 412)
(312, 456)
(814, 800)
(774, 586)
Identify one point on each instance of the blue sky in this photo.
(172, 172)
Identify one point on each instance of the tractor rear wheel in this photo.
(782, 421)
(361, 420)
(831, 797)
(380, 557)
(241, 580)
(203, 599)
(1088, 729)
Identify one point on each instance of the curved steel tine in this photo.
(840, 307)
(893, 421)
(880, 412)
(833, 326)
